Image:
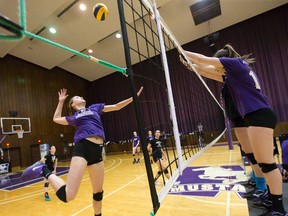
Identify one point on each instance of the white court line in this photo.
(90, 205)
(35, 193)
(228, 201)
(83, 209)
(212, 202)
(29, 185)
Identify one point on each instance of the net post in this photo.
(169, 88)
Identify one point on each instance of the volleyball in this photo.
(100, 11)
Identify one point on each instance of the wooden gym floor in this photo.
(126, 192)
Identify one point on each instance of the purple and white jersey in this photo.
(148, 138)
(87, 122)
(135, 140)
(244, 86)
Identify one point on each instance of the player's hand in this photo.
(62, 95)
(183, 60)
(140, 91)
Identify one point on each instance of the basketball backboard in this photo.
(12, 125)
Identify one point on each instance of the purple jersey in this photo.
(244, 86)
(87, 122)
(135, 140)
(284, 148)
(148, 138)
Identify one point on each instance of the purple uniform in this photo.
(135, 140)
(87, 122)
(148, 138)
(244, 86)
(284, 147)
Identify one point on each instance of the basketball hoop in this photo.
(20, 133)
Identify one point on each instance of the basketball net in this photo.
(20, 133)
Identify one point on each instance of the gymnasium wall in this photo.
(266, 37)
(33, 92)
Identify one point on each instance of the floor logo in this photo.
(209, 181)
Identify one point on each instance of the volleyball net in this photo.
(176, 101)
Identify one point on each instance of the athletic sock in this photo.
(269, 193)
(260, 183)
(277, 203)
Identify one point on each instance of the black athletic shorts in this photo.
(157, 155)
(90, 151)
(238, 122)
(262, 118)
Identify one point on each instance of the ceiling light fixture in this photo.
(118, 35)
(82, 7)
(52, 30)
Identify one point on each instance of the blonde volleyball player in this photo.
(89, 138)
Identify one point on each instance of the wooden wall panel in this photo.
(33, 92)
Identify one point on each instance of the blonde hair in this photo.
(229, 52)
(70, 108)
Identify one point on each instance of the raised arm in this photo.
(121, 104)
(210, 72)
(197, 58)
(57, 118)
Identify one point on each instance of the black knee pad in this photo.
(159, 172)
(251, 158)
(46, 184)
(98, 196)
(61, 193)
(266, 168)
(166, 171)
